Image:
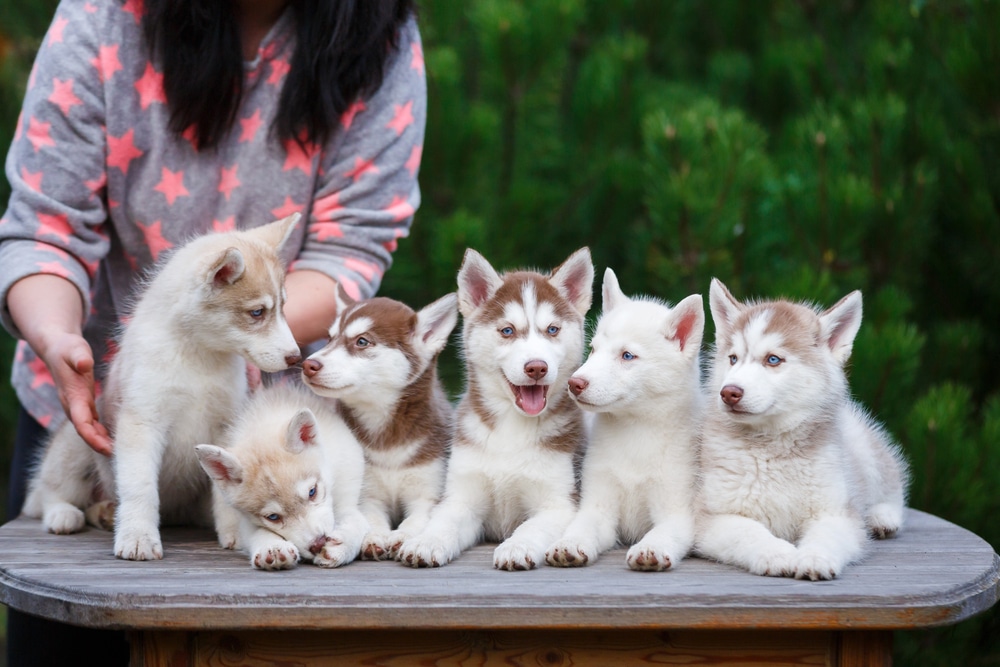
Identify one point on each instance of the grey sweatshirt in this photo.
(101, 189)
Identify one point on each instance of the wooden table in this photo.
(202, 605)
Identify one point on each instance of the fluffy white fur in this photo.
(383, 371)
(288, 477)
(642, 381)
(510, 476)
(795, 473)
(179, 375)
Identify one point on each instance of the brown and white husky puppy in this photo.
(381, 363)
(511, 472)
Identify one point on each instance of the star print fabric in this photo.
(102, 190)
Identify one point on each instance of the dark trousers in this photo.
(34, 641)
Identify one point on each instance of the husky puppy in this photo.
(179, 375)
(795, 473)
(510, 476)
(642, 381)
(381, 363)
(292, 471)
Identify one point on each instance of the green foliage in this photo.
(790, 149)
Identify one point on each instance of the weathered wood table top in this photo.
(935, 573)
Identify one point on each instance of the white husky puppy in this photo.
(642, 379)
(795, 473)
(381, 362)
(179, 374)
(510, 475)
(292, 471)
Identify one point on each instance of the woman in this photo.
(146, 123)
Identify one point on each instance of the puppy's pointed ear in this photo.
(725, 308)
(344, 303)
(477, 282)
(611, 294)
(574, 279)
(276, 233)
(302, 431)
(227, 268)
(686, 324)
(436, 321)
(840, 324)
(220, 465)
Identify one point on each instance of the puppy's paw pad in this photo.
(376, 546)
(884, 521)
(815, 567)
(516, 556)
(645, 558)
(335, 553)
(281, 556)
(569, 554)
(139, 547)
(424, 552)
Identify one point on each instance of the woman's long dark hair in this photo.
(340, 55)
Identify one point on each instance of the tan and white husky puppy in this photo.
(288, 475)
(510, 475)
(381, 363)
(179, 375)
(795, 472)
(643, 382)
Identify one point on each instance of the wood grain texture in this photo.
(935, 573)
(500, 648)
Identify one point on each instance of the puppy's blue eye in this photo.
(362, 342)
(553, 330)
(774, 360)
(257, 313)
(627, 356)
(312, 492)
(273, 518)
(507, 332)
(733, 359)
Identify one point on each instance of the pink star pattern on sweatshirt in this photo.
(402, 118)
(413, 162)
(299, 157)
(135, 8)
(279, 69)
(33, 179)
(154, 238)
(417, 61)
(63, 96)
(249, 126)
(361, 167)
(400, 208)
(224, 225)
(38, 134)
(56, 31)
(286, 209)
(228, 181)
(347, 117)
(122, 150)
(107, 62)
(150, 87)
(56, 225)
(172, 185)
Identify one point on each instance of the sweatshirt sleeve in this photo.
(368, 191)
(54, 221)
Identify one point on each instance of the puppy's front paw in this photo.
(884, 520)
(138, 546)
(424, 551)
(277, 556)
(566, 553)
(102, 515)
(513, 556)
(775, 564)
(648, 558)
(64, 519)
(335, 552)
(377, 546)
(815, 567)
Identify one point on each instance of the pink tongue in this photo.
(531, 399)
